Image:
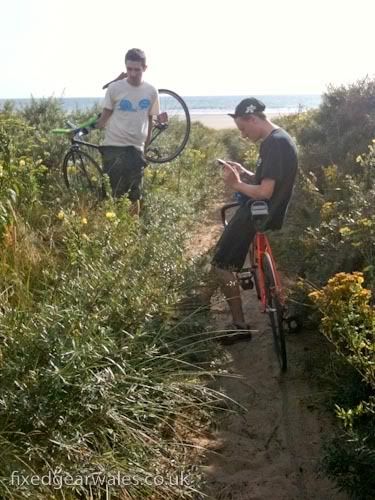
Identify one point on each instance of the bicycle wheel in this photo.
(82, 173)
(169, 136)
(275, 311)
(256, 282)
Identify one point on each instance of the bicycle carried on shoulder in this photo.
(263, 274)
(170, 133)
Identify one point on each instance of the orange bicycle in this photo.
(263, 274)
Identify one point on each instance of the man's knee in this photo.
(224, 277)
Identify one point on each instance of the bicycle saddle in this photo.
(259, 213)
(259, 208)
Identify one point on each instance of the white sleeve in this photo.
(108, 103)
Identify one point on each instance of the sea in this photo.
(202, 105)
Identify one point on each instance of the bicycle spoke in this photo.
(169, 136)
(82, 174)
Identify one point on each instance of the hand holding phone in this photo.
(240, 169)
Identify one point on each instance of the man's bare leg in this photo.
(231, 290)
(134, 208)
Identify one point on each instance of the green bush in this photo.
(348, 321)
(101, 373)
(329, 230)
(341, 128)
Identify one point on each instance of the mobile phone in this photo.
(221, 162)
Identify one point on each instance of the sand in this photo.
(214, 121)
(222, 121)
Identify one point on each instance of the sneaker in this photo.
(235, 333)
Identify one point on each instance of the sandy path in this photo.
(270, 449)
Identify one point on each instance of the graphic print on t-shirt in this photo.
(144, 103)
(126, 105)
(131, 108)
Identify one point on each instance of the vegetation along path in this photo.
(270, 448)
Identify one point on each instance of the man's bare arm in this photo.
(104, 117)
(244, 173)
(150, 122)
(262, 191)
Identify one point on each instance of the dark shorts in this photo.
(124, 166)
(234, 243)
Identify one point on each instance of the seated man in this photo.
(273, 181)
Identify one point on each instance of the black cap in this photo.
(248, 107)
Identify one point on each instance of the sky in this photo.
(71, 48)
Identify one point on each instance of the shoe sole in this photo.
(237, 337)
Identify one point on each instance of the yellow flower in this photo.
(22, 163)
(358, 159)
(327, 210)
(345, 231)
(61, 215)
(83, 220)
(315, 295)
(110, 215)
(365, 222)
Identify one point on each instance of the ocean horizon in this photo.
(199, 105)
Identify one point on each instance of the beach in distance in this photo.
(211, 111)
(217, 121)
(223, 121)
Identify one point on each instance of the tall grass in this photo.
(100, 373)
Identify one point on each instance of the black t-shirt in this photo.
(278, 160)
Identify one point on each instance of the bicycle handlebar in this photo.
(225, 208)
(75, 129)
(120, 77)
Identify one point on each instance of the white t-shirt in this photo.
(131, 105)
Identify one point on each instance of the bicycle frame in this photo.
(75, 143)
(258, 248)
(263, 273)
(169, 135)
(157, 129)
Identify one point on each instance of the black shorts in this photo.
(234, 243)
(124, 166)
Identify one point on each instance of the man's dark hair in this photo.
(258, 114)
(261, 115)
(136, 55)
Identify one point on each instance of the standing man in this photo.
(273, 181)
(129, 105)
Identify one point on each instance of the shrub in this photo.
(101, 374)
(348, 321)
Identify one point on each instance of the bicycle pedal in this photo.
(271, 309)
(293, 324)
(245, 278)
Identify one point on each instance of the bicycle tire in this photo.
(82, 173)
(169, 141)
(275, 311)
(256, 282)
